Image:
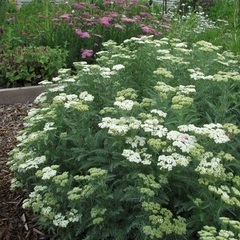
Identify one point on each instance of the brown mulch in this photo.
(15, 223)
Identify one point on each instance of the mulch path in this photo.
(15, 223)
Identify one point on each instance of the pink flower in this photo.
(126, 19)
(137, 18)
(116, 25)
(143, 6)
(86, 53)
(93, 6)
(149, 30)
(105, 21)
(145, 14)
(107, 2)
(79, 5)
(82, 34)
(166, 26)
(112, 14)
(65, 17)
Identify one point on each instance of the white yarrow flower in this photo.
(125, 105)
(118, 67)
(85, 96)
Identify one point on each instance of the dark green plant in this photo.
(29, 65)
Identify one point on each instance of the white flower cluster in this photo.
(137, 156)
(197, 75)
(136, 141)
(183, 141)
(73, 100)
(49, 172)
(118, 67)
(49, 126)
(185, 90)
(32, 163)
(163, 72)
(60, 220)
(213, 131)
(169, 161)
(206, 46)
(125, 104)
(85, 96)
(164, 89)
(119, 126)
(226, 76)
(160, 113)
(229, 195)
(212, 167)
(152, 126)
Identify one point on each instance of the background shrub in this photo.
(29, 65)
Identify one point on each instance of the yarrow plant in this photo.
(133, 147)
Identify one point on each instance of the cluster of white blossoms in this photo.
(163, 72)
(60, 220)
(229, 195)
(169, 161)
(49, 126)
(196, 74)
(31, 163)
(173, 60)
(153, 127)
(185, 90)
(74, 101)
(136, 141)
(213, 131)
(211, 167)
(137, 156)
(183, 141)
(206, 46)
(124, 104)
(160, 113)
(226, 76)
(85, 96)
(164, 89)
(119, 126)
(48, 172)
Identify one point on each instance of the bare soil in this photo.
(15, 223)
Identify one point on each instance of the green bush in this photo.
(29, 65)
(142, 145)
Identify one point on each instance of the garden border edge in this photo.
(10, 96)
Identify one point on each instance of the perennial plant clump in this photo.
(141, 145)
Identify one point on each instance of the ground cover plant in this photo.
(141, 145)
